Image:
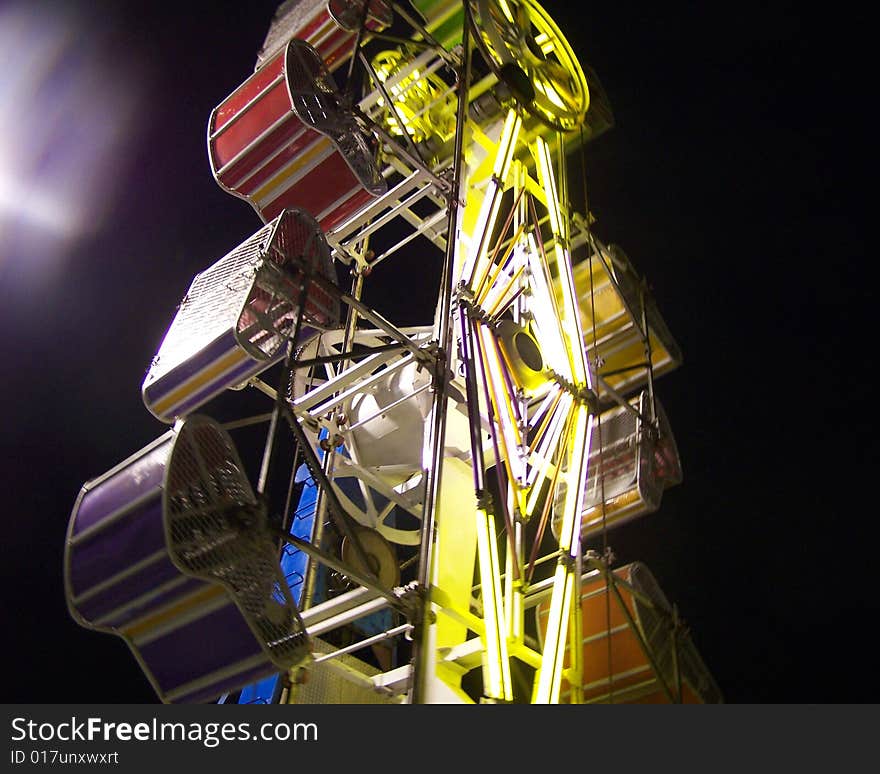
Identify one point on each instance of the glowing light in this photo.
(498, 683)
(66, 112)
(422, 99)
(544, 42)
(494, 300)
(548, 182)
(482, 291)
(545, 314)
(503, 408)
(549, 678)
(509, 134)
(570, 318)
(542, 459)
(514, 596)
(576, 476)
(42, 208)
(571, 321)
(474, 265)
(575, 646)
(485, 224)
(553, 96)
(505, 9)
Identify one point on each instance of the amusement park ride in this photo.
(419, 528)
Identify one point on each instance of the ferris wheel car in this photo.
(330, 26)
(284, 139)
(170, 551)
(633, 461)
(645, 645)
(239, 312)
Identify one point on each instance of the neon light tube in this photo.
(480, 293)
(569, 531)
(505, 9)
(543, 457)
(543, 309)
(571, 321)
(548, 182)
(514, 594)
(549, 677)
(504, 414)
(474, 267)
(505, 294)
(498, 423)
(497, 681)
(489, 209)
(506, 144)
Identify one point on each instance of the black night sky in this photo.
(735, 179)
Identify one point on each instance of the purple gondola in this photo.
(170, 551)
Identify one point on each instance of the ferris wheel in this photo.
(427, 490)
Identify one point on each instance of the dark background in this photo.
(736, 179)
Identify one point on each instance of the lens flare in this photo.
(67, 108)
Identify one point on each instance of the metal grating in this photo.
(210, 306)
(342, 680)
(317, 102)
(216, 532)
(295, 252)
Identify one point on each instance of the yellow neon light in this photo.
(492, 201)
(543, 417)
(485, 224)
(545, 411)
(548, 502)
(569, 532)
(514, 592)
(499, 392)
(575, 640)
(505, 9)
(502, 296)
(545, 43)
(506, 443)
(482, 291)
(506, 144)
(543, 308)
(497, 681)
(548, 182)
(559, 659)
(543, 458)
(553, 96)
(561, 429)
(549, 676)
(571, 321)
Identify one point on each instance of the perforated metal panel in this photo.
(210, 306)
(215, 531)
(343, 680)
(318, 104)
(239, 312)
(295, 251)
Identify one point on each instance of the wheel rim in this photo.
(527, 51)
